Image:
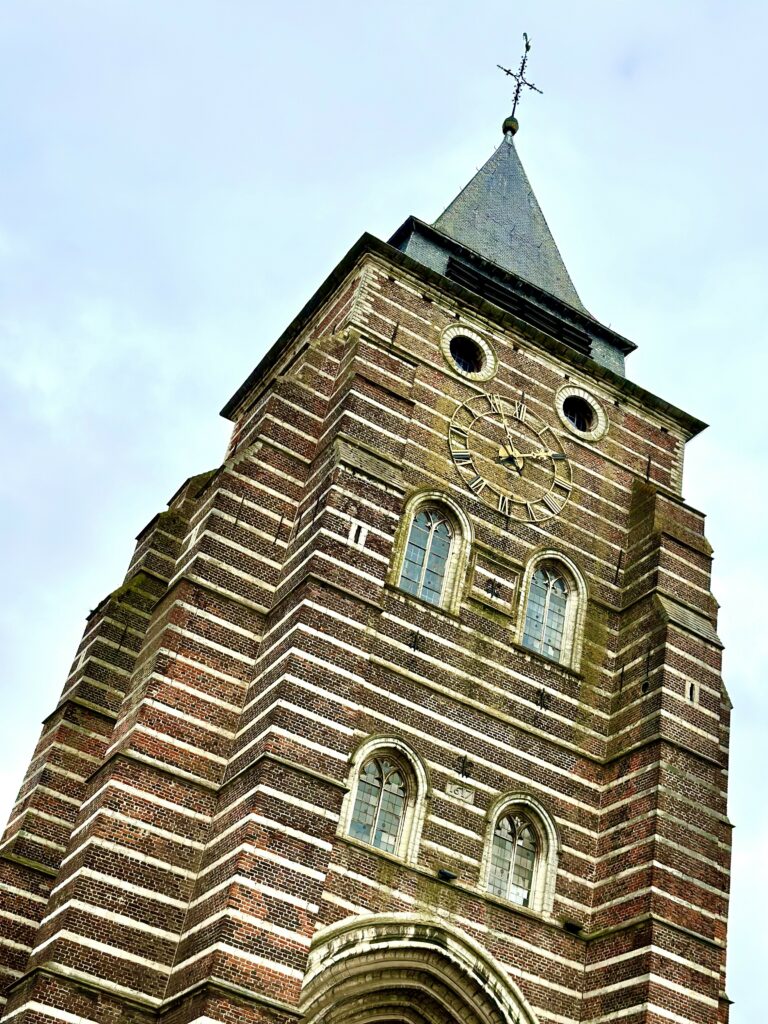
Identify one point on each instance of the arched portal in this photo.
(406, 969)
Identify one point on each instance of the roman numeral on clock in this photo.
(553, 502)
(477, 485)
(461, 456)
(520, 411)
(505, 504)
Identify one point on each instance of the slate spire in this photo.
(497, 216)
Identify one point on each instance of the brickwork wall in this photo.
(178, 842)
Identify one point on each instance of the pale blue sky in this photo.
(176, 178)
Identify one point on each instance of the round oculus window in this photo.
(581, 412)
(468, 354)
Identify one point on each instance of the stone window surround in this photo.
(461, 545)
(545, 869)
(573, 633)
(490, 360)
(417, 792)
(601, 424)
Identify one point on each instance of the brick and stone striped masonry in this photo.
(180, 849)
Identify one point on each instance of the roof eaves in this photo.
(618, 340)
(367, 243)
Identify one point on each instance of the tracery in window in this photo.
(384, 806)
(514, 853)
(427, 555)
(380, 802)
(545, 616)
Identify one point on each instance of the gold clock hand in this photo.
(555, 456)
(512, 455)
(507, 431)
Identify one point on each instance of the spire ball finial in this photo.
(510, 126)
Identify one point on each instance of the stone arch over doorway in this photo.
(406, 969)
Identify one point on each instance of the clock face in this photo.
(510, 458)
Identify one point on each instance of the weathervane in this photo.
(519, 76)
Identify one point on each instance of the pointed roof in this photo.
(497, 216)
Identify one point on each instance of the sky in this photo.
(177, 178)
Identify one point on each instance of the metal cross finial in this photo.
(519, 75)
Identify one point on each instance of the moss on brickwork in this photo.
(387, 873)
(596, 638)
(141, 590)
(173, 522)
(287, 645)
(432, 893)
(198, 482)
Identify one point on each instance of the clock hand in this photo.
(510, 454)
(507, 431)
(555, 456)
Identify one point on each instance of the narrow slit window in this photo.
(427, 554)
(358, 534)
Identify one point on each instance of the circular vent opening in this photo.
(467, 354)
(580, 413)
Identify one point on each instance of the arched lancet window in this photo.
(384, 806)
(427, 555)
(546, 613)
(514, 853)
(380, 803)
(432, 549)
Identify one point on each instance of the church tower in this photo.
(410, 711)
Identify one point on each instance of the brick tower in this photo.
(410, 711)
